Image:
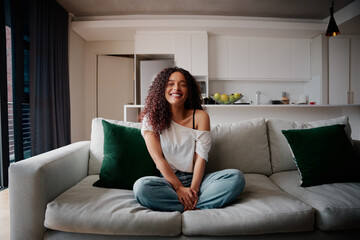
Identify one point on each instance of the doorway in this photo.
(115, 85)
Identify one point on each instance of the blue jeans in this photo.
(217, 190)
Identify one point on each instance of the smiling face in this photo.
(176, 91)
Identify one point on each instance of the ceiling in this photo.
(301, 9)
(89, 16)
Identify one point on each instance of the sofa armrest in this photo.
(36, 181)
(357, 146)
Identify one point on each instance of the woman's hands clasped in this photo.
(188, 197)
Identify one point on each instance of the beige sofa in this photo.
(52, 197)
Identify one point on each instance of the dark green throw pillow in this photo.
(126, 157)
(323, 155)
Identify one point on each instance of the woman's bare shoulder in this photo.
(202, 120)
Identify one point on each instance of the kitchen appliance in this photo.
(302, 99)
(276, 102)
(148, 71)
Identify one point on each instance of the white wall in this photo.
(83, 79)
(76, 79)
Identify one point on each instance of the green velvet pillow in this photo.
(126, 157)
(323, 155)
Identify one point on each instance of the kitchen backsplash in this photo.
(269, 90)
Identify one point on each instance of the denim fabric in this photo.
(217, 190)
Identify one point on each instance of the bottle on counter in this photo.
(257, 98)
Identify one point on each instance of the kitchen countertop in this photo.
(280, 105)
(220, 113)
(262, 105)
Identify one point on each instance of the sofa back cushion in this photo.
(97, 142)
(241, 145)
(281, 157)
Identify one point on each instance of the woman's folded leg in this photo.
(157, 194)
(220, 188)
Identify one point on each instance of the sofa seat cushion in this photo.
(261, 208)
(87, 209)
(337, 205)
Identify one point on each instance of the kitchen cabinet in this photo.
(218, 58)
(238, 57)
(355, 71)
(191, 52)
(338, 70)
(259, 59)
(154, 43)
(182, 50)
(300, 59)
(199, 54)
(344, 74)
(189, 49)
(280, 54)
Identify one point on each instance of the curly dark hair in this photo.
(157, 107)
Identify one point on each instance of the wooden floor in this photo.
(4, 215)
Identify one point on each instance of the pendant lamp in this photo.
(332, 29)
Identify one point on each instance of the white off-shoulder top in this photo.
(179, 145)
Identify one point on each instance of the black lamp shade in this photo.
(332, 29)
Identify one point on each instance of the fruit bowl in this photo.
(226, 99)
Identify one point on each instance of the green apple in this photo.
(237, 95)
(232, 98)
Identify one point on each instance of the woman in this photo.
(177, 134)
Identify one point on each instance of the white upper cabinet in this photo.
(190, 49)
(199, 54)
(154, 43)
(259, 59)
(182, 50)
(218, 58)
(300, 59)
(191, 52)
(280, 58)
(238, 57)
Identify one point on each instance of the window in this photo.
(9, 93)
(17, 101)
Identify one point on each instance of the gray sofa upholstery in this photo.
(52, 197)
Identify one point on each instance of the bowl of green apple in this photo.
(226, 98)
